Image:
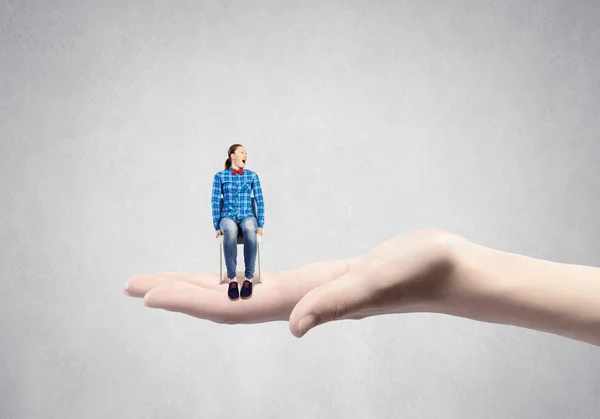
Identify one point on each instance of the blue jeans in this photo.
(229, 228)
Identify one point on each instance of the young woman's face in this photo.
(240, 157)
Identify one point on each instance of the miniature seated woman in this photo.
(236, 185)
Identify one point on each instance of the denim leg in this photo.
(229, 229)
(249, 226)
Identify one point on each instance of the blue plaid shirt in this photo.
(236, 191)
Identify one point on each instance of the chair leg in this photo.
(220, 263)
(259, 273)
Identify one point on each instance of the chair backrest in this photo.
(252, 202)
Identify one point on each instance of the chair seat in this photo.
(240, 237)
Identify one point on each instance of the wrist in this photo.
(504, 288)
(471, 288)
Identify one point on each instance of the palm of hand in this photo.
(201, 296)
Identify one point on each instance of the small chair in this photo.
(240, 240)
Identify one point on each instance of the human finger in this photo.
(343, 298)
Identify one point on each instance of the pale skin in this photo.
(420, 271)
(238, 161)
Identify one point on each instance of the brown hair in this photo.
(229, 153)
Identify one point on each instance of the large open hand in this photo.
(421, 271)
(401, 275)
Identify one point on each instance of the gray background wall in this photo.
(364, 120)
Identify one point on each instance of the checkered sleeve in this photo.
(260, 202)
(216, 198)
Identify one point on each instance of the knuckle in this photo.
(340, 310)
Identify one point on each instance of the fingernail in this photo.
(306, 323)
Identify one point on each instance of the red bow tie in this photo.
(235, 171)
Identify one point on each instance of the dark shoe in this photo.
(233, 293)
(246, 290)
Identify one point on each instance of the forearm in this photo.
(215, 201)
(215, 211)
(261, 212)
(504, 288)
(260, 202)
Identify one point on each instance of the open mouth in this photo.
(244, 161)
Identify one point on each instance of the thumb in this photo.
(335, 300)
